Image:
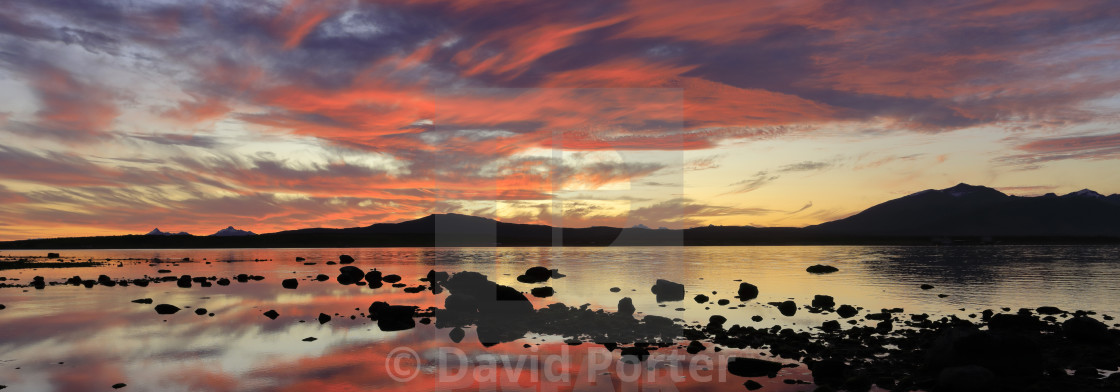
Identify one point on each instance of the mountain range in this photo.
(959, 214)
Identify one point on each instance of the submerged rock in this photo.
(667, 291)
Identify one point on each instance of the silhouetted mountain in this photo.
(156, 231)
(232, 232)
(963, 214)
(968, 210)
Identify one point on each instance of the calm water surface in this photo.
(68, 338)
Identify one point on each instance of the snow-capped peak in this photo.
(641, 226)
(232, 232)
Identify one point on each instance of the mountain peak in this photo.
(963, 189)
(1086, 193)
(232, 232)
(156, 231)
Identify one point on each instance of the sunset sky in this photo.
(120, 116)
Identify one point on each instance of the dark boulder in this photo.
(373, 276)
(753, 367)
(272, 314)
(392, 317)
(457, 334)
(695, 347)
(823, 302)
(535, 275)
(324, 318)
(667, 291)
(184, 281)
(223, 282)
(1086, 330)
(787, 308)
(142, 301)
(290, 284)
(700, 298)
(634, 354)
(542, 292)
(320, 277)
(747, 291)
(626, 307)
(927, 287)
(345, 259)
(391, 278)
(166, 309)
(350, 275)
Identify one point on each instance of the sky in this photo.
(117, 117)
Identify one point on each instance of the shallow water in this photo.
(101, 338)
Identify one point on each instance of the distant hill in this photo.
(960, 214)
(969, 210)
(156, 231)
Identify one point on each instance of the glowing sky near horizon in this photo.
(120, 116)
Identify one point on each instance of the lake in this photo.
(67, 337)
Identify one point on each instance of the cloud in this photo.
(804, 166)
(759, 180)
(1091, 147)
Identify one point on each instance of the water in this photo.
(102, 338)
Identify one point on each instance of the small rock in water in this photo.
(535, 275)
(184, 281)
(626, 307)
(821, 269)
(615, 289)
(200, 311)
(142, 301)
(291, 284)
(223, 282)
(1048, 310)
(723, 302)
(823, 302)
(391, 278)
(350, 275)
(345, 259)
(324, 318)
(747, 291)
(272, 314)
(542, 292)
(752, 385)
(310, 339)
(457, 334)
(320, 277)
(119, 385)
(700, 298)
(695, 347)
(166, 309)
(927, 287)
(667, 291)
(753, 367)
(788, 308)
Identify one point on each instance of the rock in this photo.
(200, 311)
(373, 276)
(166, 309)
(723, 302)
(615, 289)
(324, 318)
(1049, 310)
(52, 255)
(927, 287)
(391, 278)
(846, 311)
(969, 378)
(350, 275)
(668, 291)
(457, 334)
(119, 385)
(535, 275)
(821, 269)
(752, 385)
(753, 367)
(345, 259)
(299, 259)
(290, 284)
(626, 307)
(787, 308)
(828, 371)
(184, 281)
(700, 298)
(747, 291)
(1086, 330)
(830, 326)
(272, 314)
(695, 347)
(223, 282)
(310, 339)
(1014, 323)
(392, 317)
(138, 301)
(319, 277)
(634, 354)
(542, 292)
(823, 302)
(756, 318)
